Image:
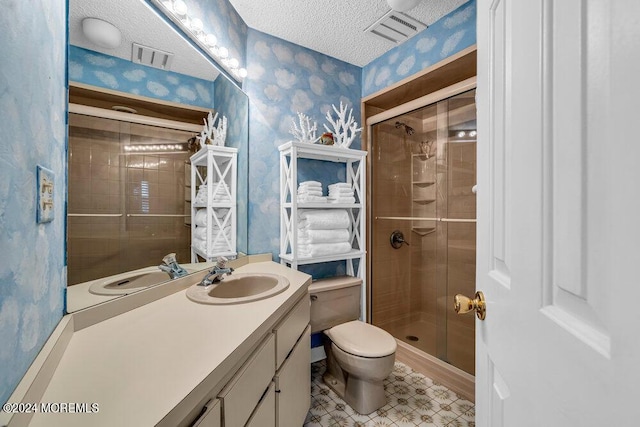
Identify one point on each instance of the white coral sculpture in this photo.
(212, 134)
(306, 132)
(345, 128)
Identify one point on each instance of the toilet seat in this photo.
(362, 339)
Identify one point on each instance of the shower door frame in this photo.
(454, 378)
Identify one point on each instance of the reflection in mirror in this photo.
(128, 202)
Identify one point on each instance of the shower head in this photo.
(407, 128)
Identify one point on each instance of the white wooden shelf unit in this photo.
(214, 165)
(355, 164)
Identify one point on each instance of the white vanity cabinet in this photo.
(273, 386)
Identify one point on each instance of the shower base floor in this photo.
(408, 330)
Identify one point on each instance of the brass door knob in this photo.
(464, 305)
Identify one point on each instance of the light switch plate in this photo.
(45, 179)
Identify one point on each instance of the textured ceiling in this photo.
(333, 27)
(139, 24)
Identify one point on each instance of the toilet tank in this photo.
(334, 301)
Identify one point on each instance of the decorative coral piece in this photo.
(212, 134)
(307, 132)
(345, 128)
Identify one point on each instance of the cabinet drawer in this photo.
(211, 415)
(290, 328)
(293, 384)
(265, 413)
(244, 391)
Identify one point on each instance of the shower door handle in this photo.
(463, 305)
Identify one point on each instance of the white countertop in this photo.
(139, 365)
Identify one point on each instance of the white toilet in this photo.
(359, 355)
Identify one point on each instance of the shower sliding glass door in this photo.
(127, 197)
(423, 173)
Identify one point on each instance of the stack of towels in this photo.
(219, 243)
(310, 192)
(221, 193)
(323, 232)
(341, 192)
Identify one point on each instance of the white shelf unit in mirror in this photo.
(423, 193)
(354, 162)
(213, 203)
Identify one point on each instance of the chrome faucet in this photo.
(171, 267)
(217, 272)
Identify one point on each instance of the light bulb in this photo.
(461, 134)
(223, 52)
(180, 7)
(197, 25)
(233, 63)
(473, 133)
(211, 40)
(242, 72)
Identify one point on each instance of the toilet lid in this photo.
(362, 339)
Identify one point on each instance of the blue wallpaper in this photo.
(33, 106)
(445, 37)
(285, 78)
(97, 69)
(234, 104)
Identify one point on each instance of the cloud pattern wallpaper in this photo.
(284, 79)
(33, 105)
(445, 37)
(109, 72)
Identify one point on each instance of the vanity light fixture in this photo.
(177, 11)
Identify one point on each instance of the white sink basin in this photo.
(127, 283)
(239, 288)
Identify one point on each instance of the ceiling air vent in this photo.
(146, 55)
(396, 27)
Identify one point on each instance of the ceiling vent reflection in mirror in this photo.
(152, 57)
(178, 12)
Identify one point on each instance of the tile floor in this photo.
(413, 400)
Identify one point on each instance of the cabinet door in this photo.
(293, 384)
(211, 415)
(244, 391)
(288, 330)
(265, 413)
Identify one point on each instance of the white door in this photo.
(558, 213)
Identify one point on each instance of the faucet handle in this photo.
(222, 262)
(169, 259)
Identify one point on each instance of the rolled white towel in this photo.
(323, 219)
(341, 200)
(323, 236)
(322, 249)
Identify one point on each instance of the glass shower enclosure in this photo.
(423, 227)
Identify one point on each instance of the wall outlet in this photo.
(45, 179)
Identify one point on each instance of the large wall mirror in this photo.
(128, 178)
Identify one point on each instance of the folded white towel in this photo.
(323, 219)
(321, 249)
(312, 199)
(310, 183)
(341, 199)
(310, 192)
(343, 193)
(201, 245)
(201, 232)
(201, 216)
(323, 236)
(339, 185)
